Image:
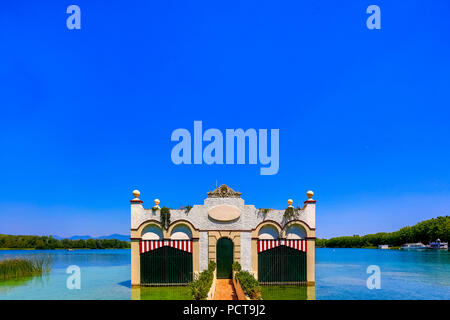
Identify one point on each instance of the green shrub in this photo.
(200, 287)
(165, 217)
(249, 284)
(212, 266)
(187, 209)
(236, 266)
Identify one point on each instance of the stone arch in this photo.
(267, 224)
(181, 232)
(145, 227)
(268, 231)
(184, 224)
(297, 229)
(152, 232)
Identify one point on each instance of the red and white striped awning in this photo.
(149, 245)
(264, 245)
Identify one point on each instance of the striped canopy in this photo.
(149, 245)
(264, 245)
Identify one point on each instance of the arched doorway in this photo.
(224, 257)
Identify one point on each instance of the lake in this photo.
(340, 274)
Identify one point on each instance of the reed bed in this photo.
(21, 267)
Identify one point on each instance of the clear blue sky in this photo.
(86, 115)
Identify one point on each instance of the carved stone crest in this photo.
(224, 192)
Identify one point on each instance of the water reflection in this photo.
(8, 285)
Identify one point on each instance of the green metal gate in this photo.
(282, 265)
(166, 266)
(224, 258)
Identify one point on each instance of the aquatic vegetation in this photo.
(20, 267)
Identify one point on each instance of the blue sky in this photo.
(87, 115)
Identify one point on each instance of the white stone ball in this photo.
(136, 193)
(157, 201)
(290, 202)
(309, 194)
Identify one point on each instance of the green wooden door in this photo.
(224, 258)
(282, 265)
(166, 265)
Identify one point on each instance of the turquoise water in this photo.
(340, 274)
(105, 274)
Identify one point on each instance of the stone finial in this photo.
(290, 202)
(156, 207)
(136, 195)
(310, 194)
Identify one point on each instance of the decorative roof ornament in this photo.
(224, 191)
(157, 202)
(136, 195)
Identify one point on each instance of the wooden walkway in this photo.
(225, 290)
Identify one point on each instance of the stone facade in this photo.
(223, 214)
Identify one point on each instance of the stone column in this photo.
(195, 256)
(135, 263)
(310, 261)
(255, 257)
(311, 240)
(136, 205)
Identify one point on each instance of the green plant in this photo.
(187, 209)
(17, 268)
(236, 266)
(291, 213)
(264, 211)
(165, 217)
(249, 284)
(212, 265)
(200, 287)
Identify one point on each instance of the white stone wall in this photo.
(246, 251)
(198, 216)
(203, 248)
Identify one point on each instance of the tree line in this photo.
(48, 242)
(425, 232)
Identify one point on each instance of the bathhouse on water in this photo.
(274, 246)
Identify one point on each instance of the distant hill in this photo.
(117, 236)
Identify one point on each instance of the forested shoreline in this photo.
(48, 242)
(425, 231)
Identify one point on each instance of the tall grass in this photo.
(21, 267)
